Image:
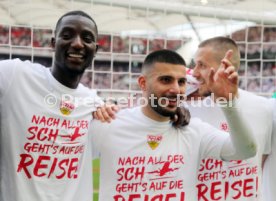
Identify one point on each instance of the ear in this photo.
(53, 43)
(142, 82)
(97, 46)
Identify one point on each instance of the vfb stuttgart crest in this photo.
(66, 107)
(154, 141)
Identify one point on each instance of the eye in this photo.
(166, 79)
(182, 81)
(66, 35)
(88, 38)
(201, 65)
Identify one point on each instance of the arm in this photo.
(241, 143)
(7, 68)
(224, 84)
(105, 113)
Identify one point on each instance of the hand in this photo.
(182, 117)
(106, 113)
(224, 82)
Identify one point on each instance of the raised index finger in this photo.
(228, 54)
(226, 60)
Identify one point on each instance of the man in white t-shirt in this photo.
(143, 157)
(45, 149)
(269, 176)
(235, 180)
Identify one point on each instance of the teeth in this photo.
(75, 55)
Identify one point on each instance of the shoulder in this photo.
(249, 96)
(129, 118)
(253, 101)
(122, 117)
(21, 69)
(202, 131)
(18, 62)
(198, 126)
(27, 66)
(128, 115)
(86, 90)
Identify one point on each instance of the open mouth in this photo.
(172, 101)
(75, 57)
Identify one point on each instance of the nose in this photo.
(175, 88)
(195, 72)
(77, 42)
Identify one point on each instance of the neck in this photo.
(68, 79)
(150, 113)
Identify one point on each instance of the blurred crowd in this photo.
(257, 46)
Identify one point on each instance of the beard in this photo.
(162, 110)
(204, 92)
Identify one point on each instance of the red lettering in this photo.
(73, 167)
(210, 164)
(25, 161)
(42, 134)
(235, 186)
(132, 197)
(118, 198)
(202, 189)
(220, 190)
(46, 166)
(53, 167)
(66, 162)
(248, 187)
(215, 191)
(32, 131)
(131, 173)
(159, 197)
(39, 165)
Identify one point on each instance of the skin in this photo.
(204, 61)
(75, 47)
(164, 80)
(215, 75)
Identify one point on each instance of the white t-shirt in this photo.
(236, 180)
(142, 159)
(269, 176)
(45, 152)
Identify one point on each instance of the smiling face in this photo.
(209, 55)
(165, 82)
(75, 44)
(205, 59)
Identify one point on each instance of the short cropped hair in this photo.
(162, 56)
(75, 12)
(221, 45)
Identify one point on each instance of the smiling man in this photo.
(234, 180)
(143, 157)
(45, 152)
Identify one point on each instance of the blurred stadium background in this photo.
(130, 29)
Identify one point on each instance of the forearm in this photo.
(241, 144)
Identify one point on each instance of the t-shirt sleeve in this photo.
(270, 126)
(7, 68)
(271, 141)
(96, 101)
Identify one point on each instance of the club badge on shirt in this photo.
(154, 141)
(224, 126)
(66, 107)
